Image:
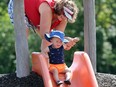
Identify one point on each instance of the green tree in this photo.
(106, 25)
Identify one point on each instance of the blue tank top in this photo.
(56, 56)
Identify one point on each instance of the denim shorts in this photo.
(10, 10)
(11, 15)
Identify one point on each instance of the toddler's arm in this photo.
(71, 43)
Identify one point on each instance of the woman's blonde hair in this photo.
(70, 4)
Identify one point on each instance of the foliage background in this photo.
(105, 35)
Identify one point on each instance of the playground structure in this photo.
(82, 73)
(21, 47)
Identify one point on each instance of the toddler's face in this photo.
(57, 43)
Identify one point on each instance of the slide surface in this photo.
(82, 74)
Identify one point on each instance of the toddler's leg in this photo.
(56, 77)
(68, 75)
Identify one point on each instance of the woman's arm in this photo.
(45, 22)
(45, 54)
(63, 23)
(45, 18)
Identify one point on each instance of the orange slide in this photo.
(82, 74)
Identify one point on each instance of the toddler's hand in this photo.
(76, 39)
(72, 42)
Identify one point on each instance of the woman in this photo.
(46, 15)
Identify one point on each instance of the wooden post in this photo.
(21, 45)
(90, 30)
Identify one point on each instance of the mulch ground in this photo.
(34, 80)
(10, 80)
